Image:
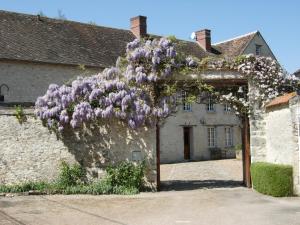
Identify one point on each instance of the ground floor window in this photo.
(228, 137)
(211, 131)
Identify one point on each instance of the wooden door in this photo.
(187, 142)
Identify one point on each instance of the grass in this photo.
(272, 179)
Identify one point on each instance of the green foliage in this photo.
(240, 59)
(125, 178)
(81, 67)
(238, 147)
(70, 175)
(172, 38)
(126, 175)
(272, 179)
(20, 115)
(27, 186)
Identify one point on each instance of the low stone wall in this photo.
(29, 151)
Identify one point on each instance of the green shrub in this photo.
(272, 179)
(126, 175)
(121, 190)
(70, 175)
(26, 186)
(125, 178)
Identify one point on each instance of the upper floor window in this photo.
(258, 49)
(228, 137)
(227, 108)
(210, 106)
(211, 137)
(186, 106)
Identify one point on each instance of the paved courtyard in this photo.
(219, 206)
(203, 174)
(214, 197)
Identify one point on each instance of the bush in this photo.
(125, 178)
(27, 186)
(70, 175)
(126, 175)
(272, 179)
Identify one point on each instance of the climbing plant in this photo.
(143, 86)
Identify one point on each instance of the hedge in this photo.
(272, 179)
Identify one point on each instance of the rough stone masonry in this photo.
(30, 152)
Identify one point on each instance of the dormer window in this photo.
(258, 49)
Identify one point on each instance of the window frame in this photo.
(186, 106)
(210, 105)
(227, 108)
(228, 136)
(258, 49)
(212, 137)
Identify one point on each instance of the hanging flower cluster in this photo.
(121, 92)
(266, 77)
(126, 92)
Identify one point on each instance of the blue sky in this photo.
(277, 20)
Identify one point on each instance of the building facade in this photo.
(37, 51)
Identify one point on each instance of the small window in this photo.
(227, 108)
(210, 106)
(228, 137)
(211, 132)
(186, 106)
(258, 49)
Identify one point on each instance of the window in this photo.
(227, 108)
(187, 106)
(258, 49)
(228, 137)
(210, 107)
(211, 131)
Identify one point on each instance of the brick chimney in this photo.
(138, 26)
(204, 40)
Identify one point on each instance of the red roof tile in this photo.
(282, 100)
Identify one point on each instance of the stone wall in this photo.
(29, 151)
(27, 81)
(274, 137)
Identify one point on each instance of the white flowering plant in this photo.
(141, 89)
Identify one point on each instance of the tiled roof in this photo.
(25, 37)
(41, 39)
(297, 72)
(282, 100)
(234, 47)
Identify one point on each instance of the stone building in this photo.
(37, 51)
(201, 129)
(275, 134)
(297, 73)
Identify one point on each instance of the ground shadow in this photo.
(184, 185)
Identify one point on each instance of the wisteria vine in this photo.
(129, 91)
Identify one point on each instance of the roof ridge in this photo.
(63, 20)
(238, 37)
